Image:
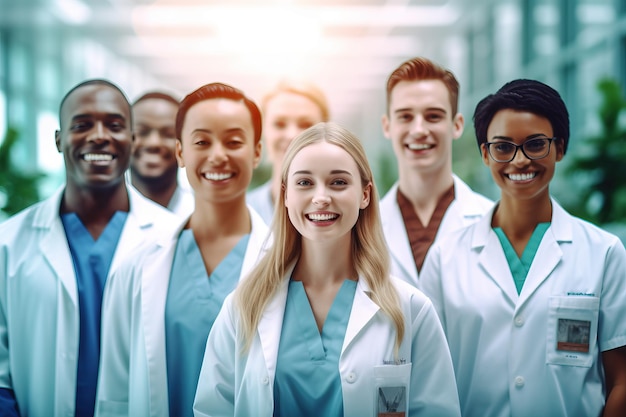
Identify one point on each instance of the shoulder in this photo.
(39, 214)
(409, 295)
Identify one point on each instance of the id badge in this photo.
(572, 330)
(392, 390)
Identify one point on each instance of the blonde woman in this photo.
(319, 327)
(291, 107)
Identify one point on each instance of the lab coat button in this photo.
(351, 377)
(519, 381)
(519, 321)
(265, 381)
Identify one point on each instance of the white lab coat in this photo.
(466, 208)
(182, 202)
(133, 371)
(260, 199)
(504, 345)
(39, 315)
(228, 376)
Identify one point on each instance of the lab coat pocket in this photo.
(572, 330)
(392, 390)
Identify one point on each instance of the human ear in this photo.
(367, 192)
(179, 153)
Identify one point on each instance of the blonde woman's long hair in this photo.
(369, 251)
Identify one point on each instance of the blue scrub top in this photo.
(307, 381)
(193, 301)
(520, 266)
(92, 260)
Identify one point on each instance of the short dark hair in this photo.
(524, 95)
(419, 69)
(158, 95)
(218, 90)
(94, 81)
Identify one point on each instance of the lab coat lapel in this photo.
(549, 253)
(492, 259)
(132, 235)
(396, 236)
(271, 324)
(363, 310)
(54, 246)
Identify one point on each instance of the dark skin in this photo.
(524, 204)
(153, 164)
(614, 362)
(95, 139)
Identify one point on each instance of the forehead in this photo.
(95, 99)
(217, 114)
(323, 157)
(155, 107)
(429, 93)
(518, 124)
(288, 103)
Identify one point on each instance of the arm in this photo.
(433, 384)
(8, 403)
(614, 362)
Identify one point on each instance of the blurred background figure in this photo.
(153, 166)
(290, 108)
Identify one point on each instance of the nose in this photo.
(217, 154)
(418, 126)
(98, 133)
(153, 138)
(520, 157)
(292, 131)
(321, 197)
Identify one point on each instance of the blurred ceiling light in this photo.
(73, 12)
(167, 15)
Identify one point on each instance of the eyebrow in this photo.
(91, 115)
(333, 172)
(231, 130)
(405, 109)
(533, 136)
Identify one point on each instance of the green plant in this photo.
(18, 188)
(601, 161)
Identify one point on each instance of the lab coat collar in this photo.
(548, 255)
(271, 323)
(363, 310)
(53, 245)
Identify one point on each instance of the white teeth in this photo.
(522, 177)
(217, 176)
(322, 217)
(419, 146)
(97, 157)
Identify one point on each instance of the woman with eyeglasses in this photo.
(532, 299)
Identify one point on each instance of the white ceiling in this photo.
(347, 47)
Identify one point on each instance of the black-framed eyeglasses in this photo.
(502, 151)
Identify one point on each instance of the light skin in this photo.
(218, 152)
(323, 197)
(95, 139)
(154, 167)
(525, 202)
(422, 128)
(285, 116)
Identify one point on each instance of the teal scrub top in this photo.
(307, 381)
(193, 301)
(92, 261)
(520, 266)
